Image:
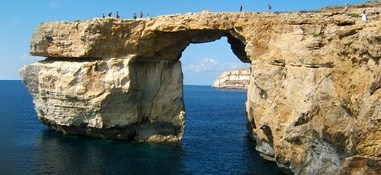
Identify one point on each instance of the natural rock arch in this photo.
(310, 99)
(237, 42)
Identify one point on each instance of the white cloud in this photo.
(205, 65)
(212, 65)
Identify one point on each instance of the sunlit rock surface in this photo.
(314, 99)
(235, 79)
(109, 98)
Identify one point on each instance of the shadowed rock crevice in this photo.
(117, 103)
(154, 82)
(238, 47)
(267, 131)
(116, 133)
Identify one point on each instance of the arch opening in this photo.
(171, 45)
(160, 83)
(202, 63)
(237, 42)
(219, 49)
(215, 124)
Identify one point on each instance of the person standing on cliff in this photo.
(109, 15)
(141, 14)
(270, 7)
(345, 8)
(117, 14)
(240, 8)
(135, 16)
(364, 16)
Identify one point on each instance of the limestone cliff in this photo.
(235, 79)
(314, 99)
(109, 98)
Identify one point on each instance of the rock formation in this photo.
(109, 98)
(314, 99)
(235, 79)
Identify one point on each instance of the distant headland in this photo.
(234, 79)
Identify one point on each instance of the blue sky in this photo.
(201, 62)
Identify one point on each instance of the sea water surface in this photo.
(215, 141)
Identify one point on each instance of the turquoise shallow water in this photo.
(215, 141)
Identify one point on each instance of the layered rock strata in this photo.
(235, 79)
(109, 98)
(314, 99)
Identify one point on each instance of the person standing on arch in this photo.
(240, 8)
(345, 8)
(364, 16)
(270, 7)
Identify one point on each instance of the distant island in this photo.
(235, 79)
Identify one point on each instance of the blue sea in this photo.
(215, 141)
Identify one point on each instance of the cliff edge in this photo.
(314, 98)
(235, 79)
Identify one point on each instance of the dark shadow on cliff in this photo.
(257, 161)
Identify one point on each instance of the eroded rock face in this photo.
(361, 165)
(235, 79)
(109, 98)
(314, 98)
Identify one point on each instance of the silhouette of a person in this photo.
(141, 14)
(103, 15)
(364, 16)
(345, 8)
(109, 15)
(240, 8)
(135, 16)
(270, 7)
(117, 14)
